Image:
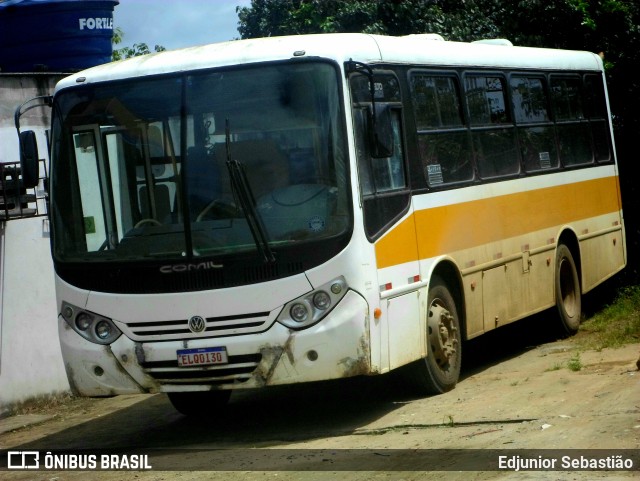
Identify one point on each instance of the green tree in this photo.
(454, 19)
(128, 52)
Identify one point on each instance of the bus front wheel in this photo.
(200, 403)
(439, 371)
(567, 288)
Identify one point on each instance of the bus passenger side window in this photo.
(596, 109)
(443, 139)
(364, 170)
(492, 130)
(388, 172)
(536, 133)
(574, 136)
(378, 175)
(383, 181)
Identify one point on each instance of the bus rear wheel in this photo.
(439, 371)
(200, 403)
(567, 289)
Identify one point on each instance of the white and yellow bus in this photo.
(285, 210)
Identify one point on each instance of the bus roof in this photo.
(426, 50)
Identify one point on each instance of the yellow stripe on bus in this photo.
(450, 228)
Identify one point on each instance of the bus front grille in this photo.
(166, 330)
(238, 370)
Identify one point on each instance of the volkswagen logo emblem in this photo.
(197, 324)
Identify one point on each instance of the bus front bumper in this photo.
(336, 347)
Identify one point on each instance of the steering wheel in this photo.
(148, 220)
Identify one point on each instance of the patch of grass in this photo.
(449, 421)
(556, 367)
(616, 325)
(40, 404)
(574, 364)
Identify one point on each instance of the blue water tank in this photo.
(55, 35)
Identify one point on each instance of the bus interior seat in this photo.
(162, 200)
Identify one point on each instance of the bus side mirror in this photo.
(381, 132)
(29, 158)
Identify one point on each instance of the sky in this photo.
(177, 23)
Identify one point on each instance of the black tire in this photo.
(567, 291)
(440, 370)
(200, 403)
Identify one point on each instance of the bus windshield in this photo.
(202, 164)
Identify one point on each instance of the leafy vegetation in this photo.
(556, 367)
(616, 325)
(574, 364)
(127, 52)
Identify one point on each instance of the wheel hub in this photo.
(443, 335)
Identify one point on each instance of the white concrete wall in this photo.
(30, 358)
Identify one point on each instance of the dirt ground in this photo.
(517, 392)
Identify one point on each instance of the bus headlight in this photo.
(93, 327)
(299, 312)
(83, 321)
(104, 329)
(321, 300)
(313, 306)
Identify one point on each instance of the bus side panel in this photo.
(498, 293)
(496, 296)
(473, 301)
(517, 289)
(402, 323)
(601, 257)
(406, 339)
(539, 288)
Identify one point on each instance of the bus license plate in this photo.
(202, 357)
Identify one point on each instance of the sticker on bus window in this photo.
(89, 225)
(434, 174)
(545, 160)
(316, 224)
(378, 90)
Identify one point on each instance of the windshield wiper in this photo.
(241, 187)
